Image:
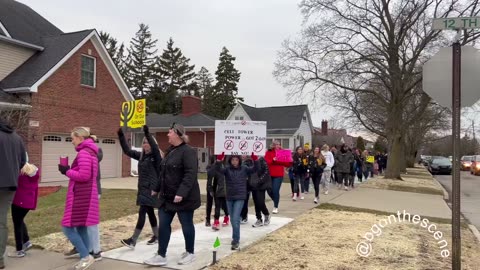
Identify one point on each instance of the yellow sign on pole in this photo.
(133, 114)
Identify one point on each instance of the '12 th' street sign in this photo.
(456, 23)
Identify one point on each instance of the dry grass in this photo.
(327, 239)
(417, 180)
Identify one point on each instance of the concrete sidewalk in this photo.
(376, 199)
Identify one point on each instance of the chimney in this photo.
(191, 105)
(324, 127)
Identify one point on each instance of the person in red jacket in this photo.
(25, 200)
(277, 170)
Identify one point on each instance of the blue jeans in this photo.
(165, 219)
(235, 209)
(78, 236)
(276, 185)
(93, 239)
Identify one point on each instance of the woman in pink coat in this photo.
(81, 205)
(25, 200)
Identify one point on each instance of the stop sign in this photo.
(437, 76)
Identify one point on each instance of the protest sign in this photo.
(239, 137)
(283, 155)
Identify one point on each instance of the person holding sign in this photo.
(276, 166)
(148, 165)
(236, 177)
(179, 195)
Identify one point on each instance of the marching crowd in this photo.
(167, 181)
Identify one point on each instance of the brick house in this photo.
(199, 127)
(65, 80)
(336, 137)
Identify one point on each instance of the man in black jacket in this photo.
(12, 159)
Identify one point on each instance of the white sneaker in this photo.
(294, 197)
(84, 263)
(275, 211)
(346, 188)
(326, 192)
(186, 258)
(315, 200)
(156, 260)
(302, 198)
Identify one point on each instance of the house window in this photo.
(51, 138)
(269, 142)
(285, 143)
(304, 119)
(88, 71)
(68, 139)
(108, 141)
(238, 117)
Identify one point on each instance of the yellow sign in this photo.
(370, 159)
(133, 114)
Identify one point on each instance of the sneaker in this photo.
(73, 252)
(96, 256)
(17, 254)
(258, 223)
(294, 197)
(275, 210)
(302, 198)
(156, 260)
(27, 246)
(346, 188)
(326, 192)
(244, 221)
(226, 221)
(216, 225)
(152, 241)
(207, 223)
(128, 243)
(266, 220)
(235, 246)
(186, 258)
(315, 200)
(84, 263)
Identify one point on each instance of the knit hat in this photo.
(179, 129)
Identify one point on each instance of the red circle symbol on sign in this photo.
(244, 123)
(243, 145)
(258, 146)
(228, 145)
(140, 106)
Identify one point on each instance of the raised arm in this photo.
(153, 146)
(126, 148)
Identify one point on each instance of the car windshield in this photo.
(468, 158)
(442, 161)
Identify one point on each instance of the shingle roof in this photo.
(56, 47)
(282, 117)
(24, 24)
(8, 98)
(156, 120)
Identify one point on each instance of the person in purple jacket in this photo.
(25, 200)
(81, 205)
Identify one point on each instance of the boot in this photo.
(216, 225)
(226, 220)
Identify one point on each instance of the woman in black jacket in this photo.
(299, 170)
(148, 163)
(260, 182)
(179, 194)
(216, 189)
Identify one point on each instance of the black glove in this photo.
(145, 129)
(63, 169)
(120, 132)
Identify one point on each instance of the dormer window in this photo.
(88, 71)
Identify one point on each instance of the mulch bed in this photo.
(44, 191)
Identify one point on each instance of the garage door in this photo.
(56, 145)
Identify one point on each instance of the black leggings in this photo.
(259, 201)
(220, 203)
(209, 206)
(19, 227)
(317, 177)
(141, 217)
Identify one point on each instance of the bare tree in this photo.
(368, 48)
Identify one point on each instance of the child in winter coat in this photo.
(236, 177)
(216, 189)
(25, 200)
(299, 170)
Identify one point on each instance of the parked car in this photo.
(425, 160)
(440, 165)
(466, 163)
(475, 166)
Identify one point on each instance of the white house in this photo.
(291, 125)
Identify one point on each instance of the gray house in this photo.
(291, 125)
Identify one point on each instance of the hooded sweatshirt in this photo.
(12, 157)
(329, 159)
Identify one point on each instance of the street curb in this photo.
(445, 193)
(474, 231)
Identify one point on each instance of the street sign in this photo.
(456, 23)
(437, 76)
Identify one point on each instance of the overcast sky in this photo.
(252, 30)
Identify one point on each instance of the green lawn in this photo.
(114, 204)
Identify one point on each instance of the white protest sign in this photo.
(240, 137)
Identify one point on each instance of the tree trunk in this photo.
(396, 155)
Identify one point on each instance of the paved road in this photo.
(470, 195)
